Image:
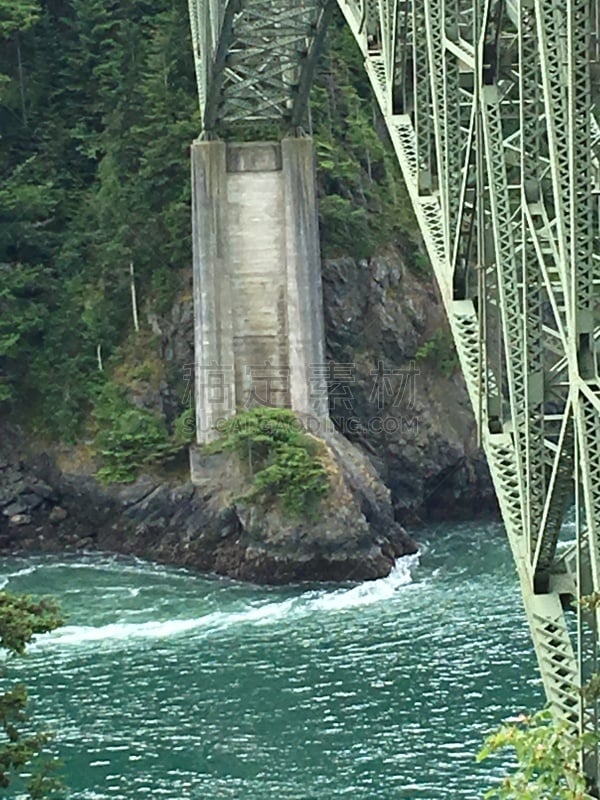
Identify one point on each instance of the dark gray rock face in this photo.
(205, 527)
(409, 414)
(398, 393)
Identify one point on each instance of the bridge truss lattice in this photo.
(490, 108)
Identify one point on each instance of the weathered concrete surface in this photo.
(256, 260)
(306, 335)
(257, 278)
(213, 339)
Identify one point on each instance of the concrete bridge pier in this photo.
(259, 337)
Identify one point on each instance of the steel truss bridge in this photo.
(489, 106)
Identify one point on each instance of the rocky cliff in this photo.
(404, 400)
(394, 384)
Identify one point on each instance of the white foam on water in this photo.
(260, 615)
(20, 572)
(5, 579)
(264, 614)
(116, 631)
(125, 631)
(23, 571)
(370, 591)
(120, 564)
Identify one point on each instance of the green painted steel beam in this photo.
(255, 59)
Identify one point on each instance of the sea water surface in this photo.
(167, 684)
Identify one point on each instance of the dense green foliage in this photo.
(97, 110)
(21, 766)
(98, 107)
(547, 758)
(363, 204)
(283, 460)
(127, 436)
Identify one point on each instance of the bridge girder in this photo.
(488, 104)
(255, 59)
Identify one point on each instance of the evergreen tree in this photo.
(21, 618)
(97, 109)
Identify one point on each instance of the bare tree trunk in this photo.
(136, 323)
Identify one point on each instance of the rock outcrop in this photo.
(399, 392)
(396, 394)
(204, 527)
(395, 387)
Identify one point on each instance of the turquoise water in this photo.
(166, 684)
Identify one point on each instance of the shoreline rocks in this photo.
(204, 527)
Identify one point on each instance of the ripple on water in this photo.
(177, 686)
